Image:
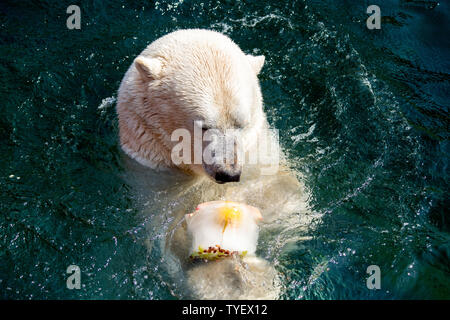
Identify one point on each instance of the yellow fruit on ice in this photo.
(230, 215)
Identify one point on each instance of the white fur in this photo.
(185, 76)
(192, 75)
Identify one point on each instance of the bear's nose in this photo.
(224, 177)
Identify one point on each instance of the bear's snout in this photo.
(224, 177)
(223, 173)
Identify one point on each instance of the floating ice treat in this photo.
(223, 228)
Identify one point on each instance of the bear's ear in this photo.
(256, 62)
(149, 68)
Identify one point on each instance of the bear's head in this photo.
(201, 100)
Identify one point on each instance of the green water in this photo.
(363, 114)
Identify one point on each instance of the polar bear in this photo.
(182, 77)
(187, 76)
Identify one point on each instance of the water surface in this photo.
(363, 116)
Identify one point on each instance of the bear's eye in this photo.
(239, 125)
